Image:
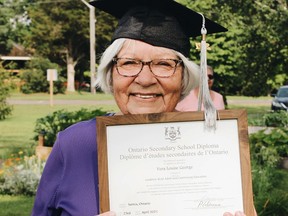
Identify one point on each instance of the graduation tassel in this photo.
(210, 112)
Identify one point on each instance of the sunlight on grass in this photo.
(17, 130)
(67, 96)
(249, 98)
(15, 205)
(255, 114)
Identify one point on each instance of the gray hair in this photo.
(190, 77)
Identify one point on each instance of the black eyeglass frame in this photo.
(143, 63)
(210, 77)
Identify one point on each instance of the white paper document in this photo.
(177, 168)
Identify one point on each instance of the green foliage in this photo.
(13, 24)
(247, 58)
(277, 81)
(61, 33)
(51, 32)
(21, 175)
(34, 81)
(5, 28)
(250, 59)
(275, 202)
(5, 87)
(104, 30)
(276, 119)
(263, 43)
(255, 122)
(269, 147)
(35, 77)
(267, 150)
(50, 125)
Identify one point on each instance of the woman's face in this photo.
(210, 81)
(146, 93)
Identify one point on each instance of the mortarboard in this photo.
(169, 24)
(163, 23)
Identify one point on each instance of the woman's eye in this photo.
(163, 63)
(130, 62)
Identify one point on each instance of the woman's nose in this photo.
(146, 77)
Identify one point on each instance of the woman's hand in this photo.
(238, 213)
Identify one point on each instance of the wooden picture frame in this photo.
(238, 116)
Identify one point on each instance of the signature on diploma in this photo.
(209, 203)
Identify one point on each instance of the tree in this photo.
(5, 27)
(5, 86)
(105, 27)
(248, 59)
(225, 50)
(254, 51)
(60, 31)
(35, 77)
(262, 43)
(265, 45)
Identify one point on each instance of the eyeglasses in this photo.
(210, 76)
(163, 68)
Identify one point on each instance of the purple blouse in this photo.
(70, 177)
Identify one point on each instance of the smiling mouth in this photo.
(146, 96)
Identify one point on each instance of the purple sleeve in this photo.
(70, 177)
(50, 180)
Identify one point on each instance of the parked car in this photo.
(280, 101)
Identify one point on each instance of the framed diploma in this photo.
(167, 164)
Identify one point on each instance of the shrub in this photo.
(35, 77)
(276, 119)
(267, 149)
(51, 124)
(274, 204)
(35, 81)
(5, 87)
(20, 176)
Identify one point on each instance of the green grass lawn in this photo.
(67, 96)
(17, 130)
(254, 113)
(15, 205)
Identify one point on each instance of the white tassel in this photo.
(210, 112)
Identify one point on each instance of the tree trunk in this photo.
(70, 74)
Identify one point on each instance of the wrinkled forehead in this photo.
(139, 49)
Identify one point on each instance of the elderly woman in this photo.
(147, 72)
(145, 78)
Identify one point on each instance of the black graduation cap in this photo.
(163, 23)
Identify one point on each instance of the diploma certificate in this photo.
(169, 168)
